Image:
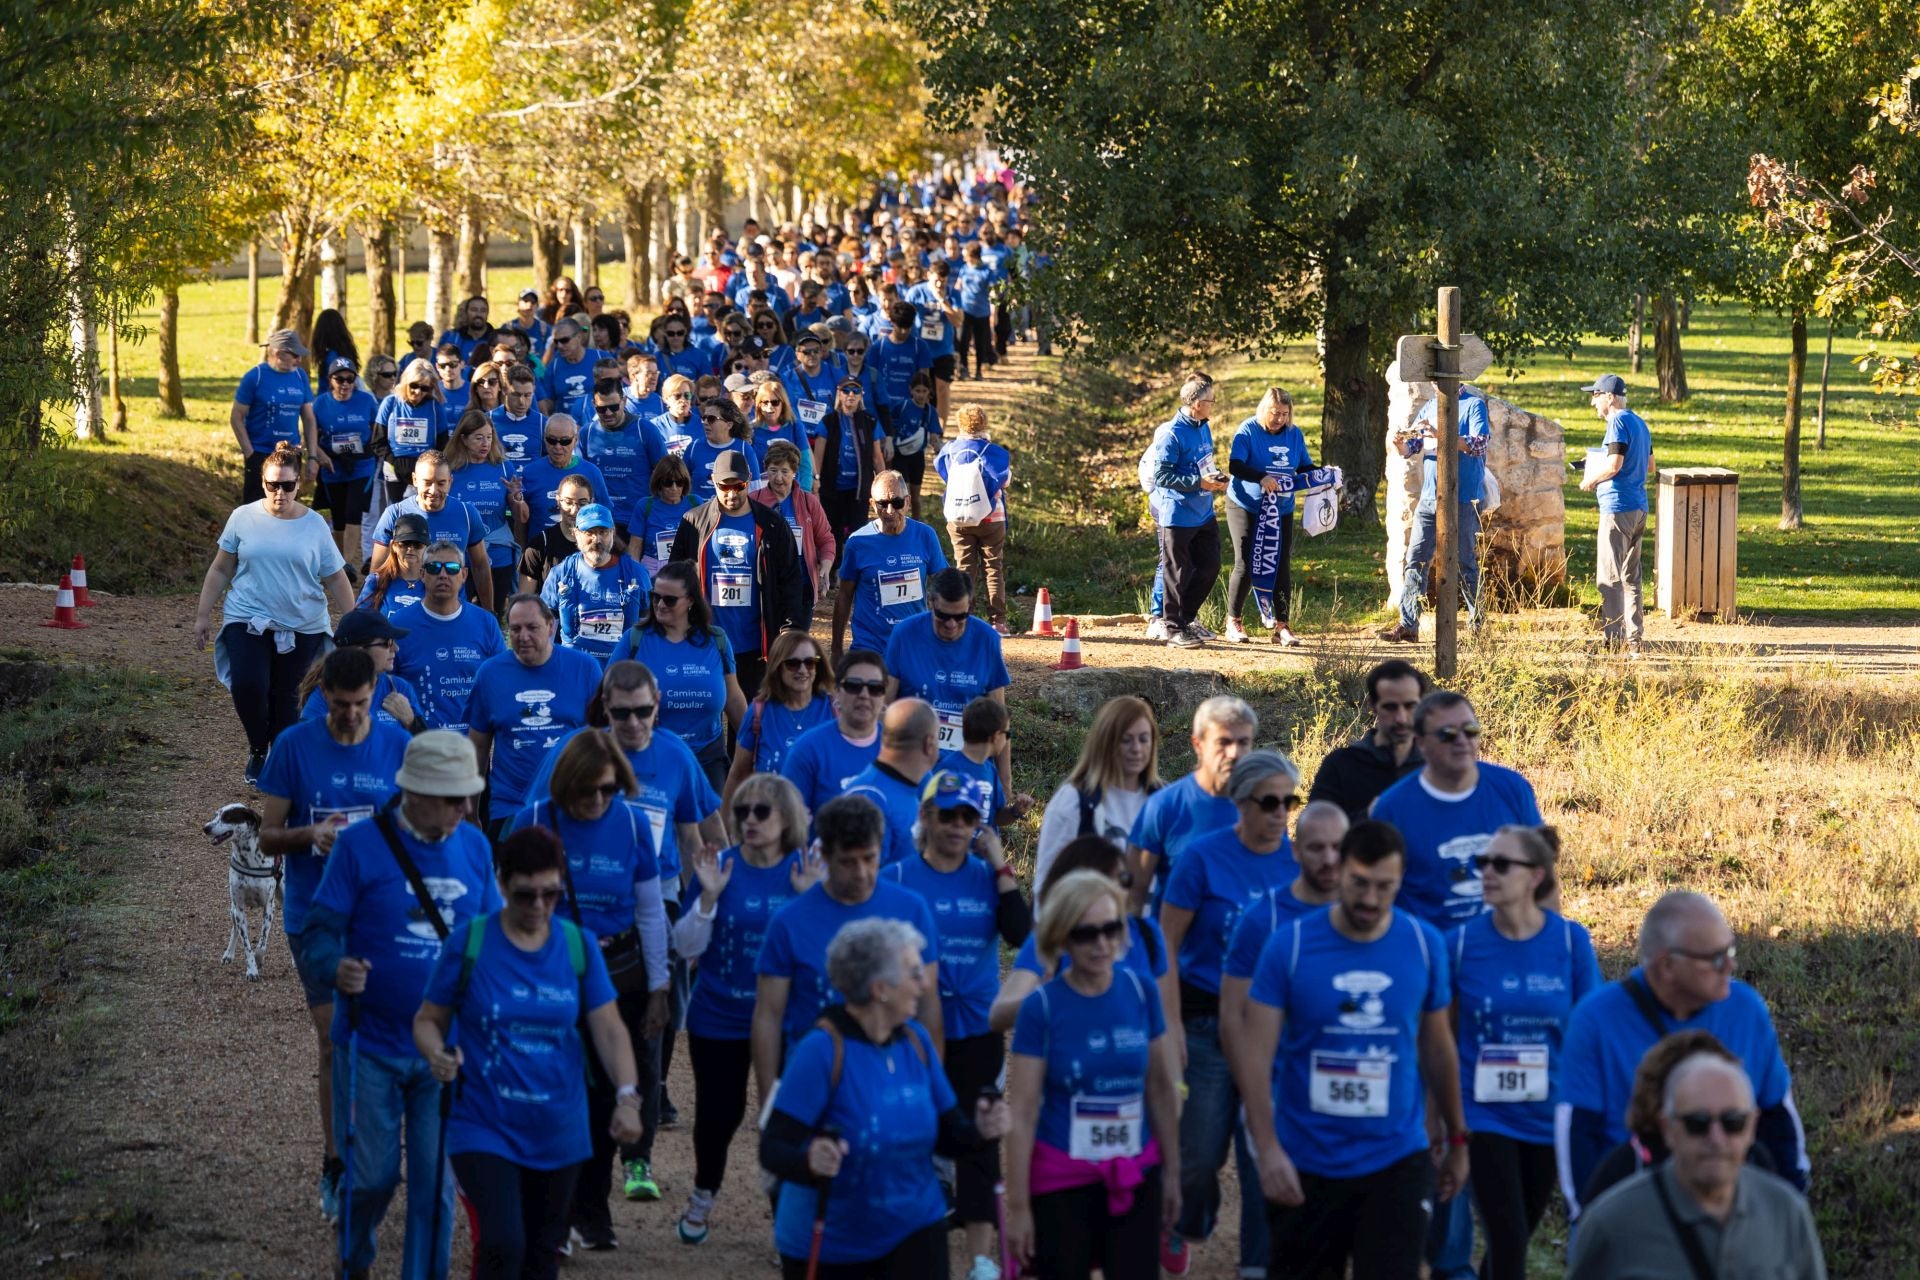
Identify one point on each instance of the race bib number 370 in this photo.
(1350, 1084)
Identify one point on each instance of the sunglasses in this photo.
(528, 897)
(343, 377)
(604, 409)
(1267, 804)
(874, 688)
(555, 442)
(673, 333)
(1732, 1123)
(1085, 935)
(448, 567)
(668, 601)
(596, 297)
(1455, 732)
(801, 664)
(758, 812)
(280, 486)
(767, 325)
(955, 817)
(889, 504)
(1719, 961)
(942, 615)
(1499, 863)
(607, 790)
(642, 712)
(730, 486)
(485, 384)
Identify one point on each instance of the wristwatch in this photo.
(627, 1093)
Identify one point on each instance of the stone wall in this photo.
(1523, 544)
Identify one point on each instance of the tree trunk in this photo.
(441, 248)
(84, 336)
(298, 266)
(116, 407)
(1669, 364)
(795, 200)
(1634, 330)
(377, 240)
(253, 292)
(333, 273)
(547, 258)
(1790, 455)
(1686, 314)
(682, 212)
(662, 242)
(1820, 412)
(1353, 424)
(586, 251)
(473, 251)
(753, 191)
(173, 403)
(400, 234)
(636, 237)
(714, 206)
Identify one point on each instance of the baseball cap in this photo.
(338, 363)
(409, 527)
(736, 382)
(364, 626)
(593, 516)
(808, 335)
(441, 762)
(530, 295)
(285, 340)
(846, 383)
(839, 324)
(947, 790)
(1609, 384)
(731, 466)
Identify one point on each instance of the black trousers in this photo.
(722, 1070)
(751, 670)
(976, 332)
(251, 488)
(1191, 554)
(1512, 1183)
(265, 683)
(1378, 1219)
(921, 1256)
(518, 1216)
(596, 1175)
(1240, 526)
(973, 1063)
(845, 513)
(1073, 1234)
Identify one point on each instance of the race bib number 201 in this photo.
(1350, 1085)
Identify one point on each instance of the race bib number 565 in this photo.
(1351, 1085)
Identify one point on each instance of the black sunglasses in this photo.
(943, 616)
(659, 599)
(1499, 862)
(1086, 935)
(606, 408)
(964, 813)
(555, 442)
(1454, 732)
(758, 812)
(1732, 1123)
(280, 486)
(607, 790)
(1267, 804)
(873, 687)
(889, 504)
(642, 712)
(527, 897)
(801, 664)
(448, 567)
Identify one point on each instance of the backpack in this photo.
(576, 956)
(968, 501)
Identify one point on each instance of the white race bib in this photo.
(1105, 1128)
(732, 590)
(950, 739)
(933, 329)
(812, 412)
(345, 816)
(1510, 1073)
(344, 444)
(663, 545)
(657, 825)
(901, 586)
(414, 433)
(602, 624)
(1350, 1084)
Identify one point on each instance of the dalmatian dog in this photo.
(253, 881)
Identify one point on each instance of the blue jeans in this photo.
(388, 1093)
(1450, 1238)
(1420, 555)
(1211, 1118)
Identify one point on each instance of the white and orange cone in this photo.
(1070, 659)
(81, 600)
(63, 607)
(1043, 615)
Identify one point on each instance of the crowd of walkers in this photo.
(588, 768)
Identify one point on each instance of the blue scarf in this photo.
(1266, 533)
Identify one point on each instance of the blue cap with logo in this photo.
(947, 790)
(593, 516)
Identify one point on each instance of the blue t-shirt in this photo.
(1170, 820)
(673, 790)
(700, 455)
(411, 429)
(540, 484)
(797, 938)
(812, 394)
(720, 1007)
(596, 607)
(455, 521)
(1217, 879)
(894, 364)
(654, 522)
(441, 656)
(401, 593)
(890, 573)
(273, 403)
(521, 439)
(528, 710)
(386, 925)
(671, 438)
(346, 432)
(621, 456)
(965, 905)
(383, 684)
(1277, 453)
(1513, 1001)
(795, 433)
(692, 679)
(946, 673)
(1347, 1096)
(914, 428)
(935, 334)
(1627, 491)
(607, 859)
(482, 487)
(887, 1108)
(523, 1089)
(898, 801)
(1146, 958)
(1096, 1048)
(822, 764)
(1472, 461)
(322, 781)
(1259, 922)
(729, 562)
(1445, 833)
(973, 286)
(983, 781)
(770, 729)
(569, 379)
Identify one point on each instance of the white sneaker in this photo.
(1156, 628)
(983, 1269)
(1236, 634)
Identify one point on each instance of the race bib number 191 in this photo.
(1510, 1073)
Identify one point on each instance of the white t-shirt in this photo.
(1060, 824)
(281, 566)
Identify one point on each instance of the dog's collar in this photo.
(255, 873)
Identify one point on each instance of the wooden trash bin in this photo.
(1697, 542)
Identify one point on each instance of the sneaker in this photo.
(594, 1239)
(1205, 633)
(1157, 629)
(669, 1114)
(1185, 638)
(1398, 634)
(565, 1248)
(640, 1183)
(1001, 629)
(1236, 634)
(1284, 637)
(692, 1227)
(983, 1268)
(1175, 1259)
(255, 763)
(330, 1173)
(1633, 651)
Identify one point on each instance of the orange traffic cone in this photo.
(1070, 648)
(63, 607)
(1043, 615)
(81, 600)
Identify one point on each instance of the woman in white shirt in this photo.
(1119, 767)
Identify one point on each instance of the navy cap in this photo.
(364, 626)
(338, 363)
(1609, 384)
(409, 527)
(947, 790)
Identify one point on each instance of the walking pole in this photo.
(346, 1174)
(820, 1216)
(989, 1093)
(440, 1178)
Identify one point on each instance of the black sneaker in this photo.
(255, 763)
(669, 1114)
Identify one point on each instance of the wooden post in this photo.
(253, 292)
(1445, 571)
(400, 280)
(1820, 413)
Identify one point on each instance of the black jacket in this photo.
(779, 575)
(826, 484)
(1353, 776)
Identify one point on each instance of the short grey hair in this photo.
(1660, 929)
(1322, 811)
(447, 544)
(1697, 1063)
(1254, 768)
(1223, 708)
(868, 951)
(1198, 386)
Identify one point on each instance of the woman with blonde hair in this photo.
(795, 695)
(979, 537)
(1119, 767)
(479, 479)
(773, 420)
(1267, 453)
